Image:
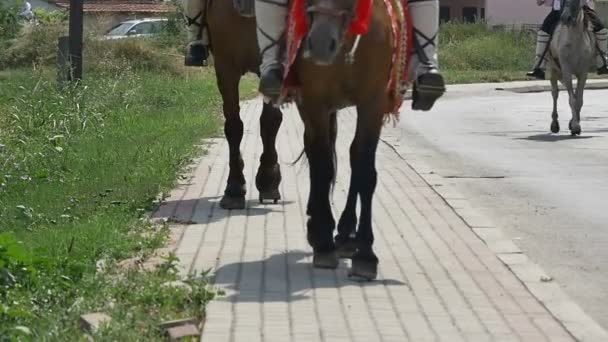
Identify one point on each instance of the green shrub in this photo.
(142, 54)
(34, 45)
(9, 20)
(478, 47)
(51, 17)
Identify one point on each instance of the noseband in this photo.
(316, 9)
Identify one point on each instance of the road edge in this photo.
(546, 291)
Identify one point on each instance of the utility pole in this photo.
(75, 39)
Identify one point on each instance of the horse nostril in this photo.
(309, 44)
(333, 45)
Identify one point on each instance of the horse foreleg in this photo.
(580, 90)
(369, 124)
(320, 151)
(268, 177)
(347, 226)
(555, 94)
(572, 101)
(228, 84)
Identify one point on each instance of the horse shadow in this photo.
(284, 277)
(206, 210)
(548, 137)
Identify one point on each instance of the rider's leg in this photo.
(429, 84)
(271, 20)
(198, 40)
(543, 39)
(601, 37)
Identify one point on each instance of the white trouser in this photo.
(542, 44)
(193, 13)
(602, 45)
(271, 18)
(425, 17)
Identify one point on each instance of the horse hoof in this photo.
(273, 195)
(555, 127)
(230, 202)
(575, 131)
(346, 249)
(327, 260)
(364, 269)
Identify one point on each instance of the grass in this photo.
(477, 53)
(78, 169)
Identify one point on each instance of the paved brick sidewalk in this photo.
(438, 280)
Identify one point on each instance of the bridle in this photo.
(347, 15)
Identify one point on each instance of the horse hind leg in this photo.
(228, 84)
(555, 93)
(369, 124)
(268, 178)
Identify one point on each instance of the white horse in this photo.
(572, 55)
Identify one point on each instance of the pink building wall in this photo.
(507, 12)
(500, 12)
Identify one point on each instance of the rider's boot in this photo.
(540, 61)
(197, 50)
(271, 21)
(601, 37)
(429, 84)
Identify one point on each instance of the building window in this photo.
(444, 14)
(483, 13)
(469, 14)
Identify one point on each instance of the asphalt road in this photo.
(548, 192)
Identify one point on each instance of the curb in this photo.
(546, 88)
(580, 325)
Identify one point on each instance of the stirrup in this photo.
(537, 73)
(429, 87)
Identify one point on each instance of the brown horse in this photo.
(235, 52)
(322, 60)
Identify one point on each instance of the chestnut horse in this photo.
(322, 60)
(235, 52)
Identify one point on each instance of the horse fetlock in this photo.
(319, 233)
(234, 188)
(575, 127)
(229, 202)
(346, 246)
(555, 126)
(325, 259)
(268, 177)
(347, 225)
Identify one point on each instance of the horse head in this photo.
(571, 11)
(329, 21)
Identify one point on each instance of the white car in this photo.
(146, 27)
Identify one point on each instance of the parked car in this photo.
(146, 27)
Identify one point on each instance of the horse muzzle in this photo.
(323, 42)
